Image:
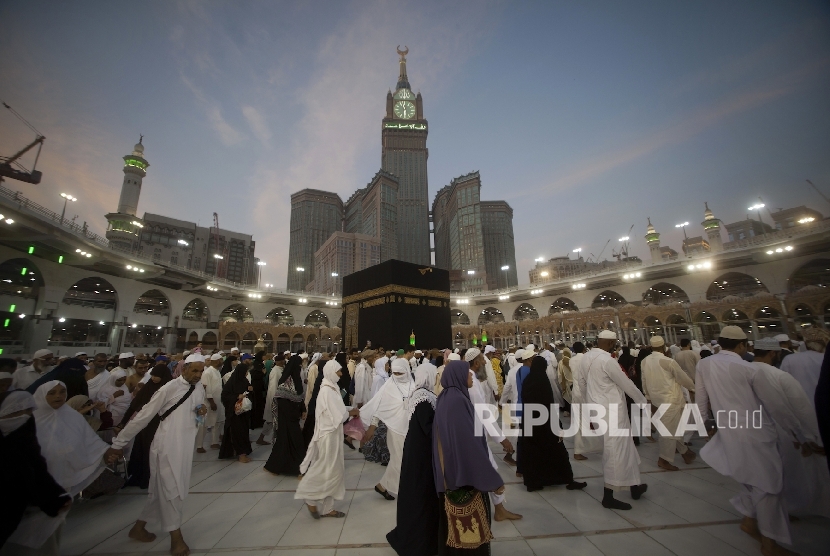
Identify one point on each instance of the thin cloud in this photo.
(257, 123)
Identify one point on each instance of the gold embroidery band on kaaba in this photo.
(395, 289)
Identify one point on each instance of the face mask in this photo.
(11, 424)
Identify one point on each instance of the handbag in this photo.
(468, 526)
(243, 405)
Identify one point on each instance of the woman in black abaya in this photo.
(542, 454)
(258, 393)
(139, 467)
(237, 441)
(287, 407)
(416, 533)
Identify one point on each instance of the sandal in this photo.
(313, 512)
(334, 513)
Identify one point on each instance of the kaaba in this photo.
(387, 303)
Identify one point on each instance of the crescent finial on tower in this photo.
(402, 53)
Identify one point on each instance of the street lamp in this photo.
(683, 225)
(505, 268)
(624, 238)
(259, 272)
(578, 250)
(66, 198)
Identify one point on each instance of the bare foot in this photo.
(663, 464)
(140, 533)
(503, 513)
(244, 459)
(214, 446)
(200, 450)
(177, 545)
(579, 457)
(750, 527)
(261, 441)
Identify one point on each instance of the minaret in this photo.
(653, 240)
(712, 227)
(124, 228)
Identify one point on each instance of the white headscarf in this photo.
(72, 450)
(380, 377)
(117, 406)
(15, 401)
(330, 412)
(389, 404)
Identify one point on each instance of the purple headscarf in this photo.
(466, 459)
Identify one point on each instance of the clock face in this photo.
(404, 109)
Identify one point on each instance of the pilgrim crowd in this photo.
(81, 427)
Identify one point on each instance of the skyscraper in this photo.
(499, 245)
(404, 155)
(315, 215)
(373, 210)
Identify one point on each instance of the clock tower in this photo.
(404, 154)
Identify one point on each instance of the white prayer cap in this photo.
(518, 354)
(216, 357)
(195, 358)
(419, 351)
(714, 342)
(489, 349)
(42, 353)
(657, 341)
(454, 357)
(5, 375)
(80, 353)
(768, 344)
(471, 354)
(126, 355)
(236, 349)
(456, 350)
(530, 347)
(734, 333)
(527, 353)
(607, 335)
(778, 338)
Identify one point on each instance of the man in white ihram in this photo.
(663, 383)
(745, 448)
(607, 385)
(171, 454)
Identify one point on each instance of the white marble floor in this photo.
(241, 508)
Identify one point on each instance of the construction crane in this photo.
(7, 164)
(603, 250)
(623, 252)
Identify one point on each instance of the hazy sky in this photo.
(586, 117)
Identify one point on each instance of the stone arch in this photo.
(280, 316)
(248, 342)
(152, 302)
(268, 340)
(283, 343)
(236, 313)
(209, 341)
(664, 293)
(811, 273)
(490, 315)
(317, 319)
(297, 343)
(196, 310)
(653, 326)
(736, 317)
(608, 298)
(459, 318)
(525, 311)
(562, 305)
(770, 321)
(735, 284)
(192, 340)
(230, 341)
(92, 291)
(20, 278)
(803, 317)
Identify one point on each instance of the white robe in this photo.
(323, 468)
(97, 382)
(379, 377)
(805, 367)
(749, 454)
(212, 381)
(582, 444)
(607, 386)
(363, 375)
(171, 453)
(806, 480)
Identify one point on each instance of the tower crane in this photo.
(623, 252)
(7, 164)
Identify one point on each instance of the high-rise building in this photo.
(342, 254)
(404, 154)
(499, 245)
(459, 243)
(122, 226)
(373, 210)
(315, 215)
